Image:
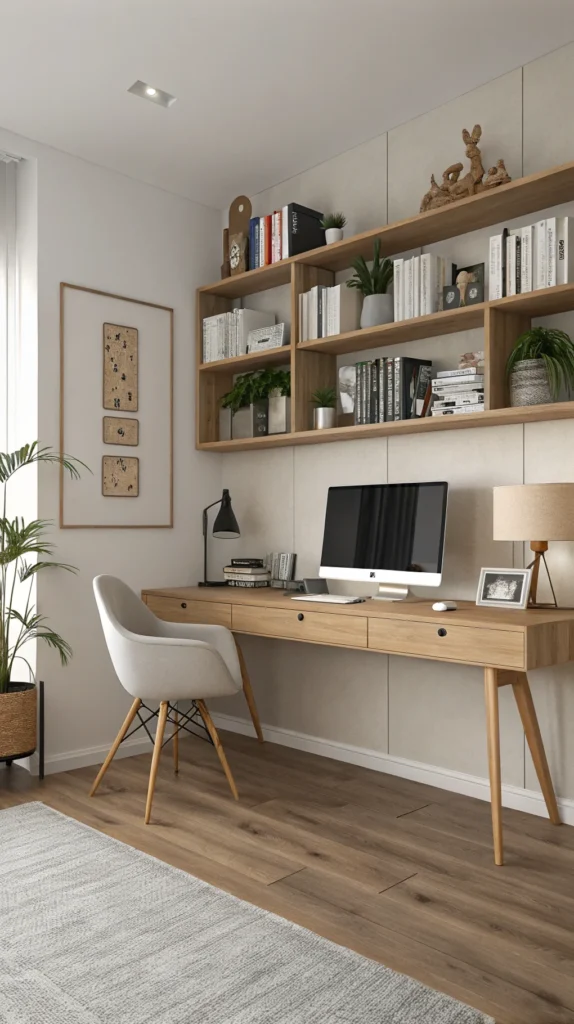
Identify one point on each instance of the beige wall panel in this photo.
(548, 99)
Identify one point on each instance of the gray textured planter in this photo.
(529, 383)
(279, 421)
(377, 309)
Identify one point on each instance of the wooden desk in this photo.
(506, 644)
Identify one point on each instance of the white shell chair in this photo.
(166, 662)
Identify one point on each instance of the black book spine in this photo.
(518, 264)
(382, 392)
(368, 376)
(357, 393)
(375, 391)
(389, 411)
(397, 397)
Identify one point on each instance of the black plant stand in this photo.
(9, 760)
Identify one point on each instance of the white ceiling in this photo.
(265, 88)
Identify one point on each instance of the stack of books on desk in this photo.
(247, 572)
(458, 391)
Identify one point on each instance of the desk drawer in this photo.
(172, 609)
(498, 647)
(300, 624)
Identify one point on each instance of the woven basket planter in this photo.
(18, 718)
(529, 383)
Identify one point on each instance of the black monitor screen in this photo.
(398, 527)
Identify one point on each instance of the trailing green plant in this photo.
(373, 281)
(256, 386)
(333, 220)
(23, 548)
(555, 348)
(324, 398)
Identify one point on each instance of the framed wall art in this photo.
(116, 389)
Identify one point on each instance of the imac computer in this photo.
(390, 534)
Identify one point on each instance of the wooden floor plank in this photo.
(398, 871)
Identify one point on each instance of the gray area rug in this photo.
(95, 932)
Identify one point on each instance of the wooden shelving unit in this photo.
(313, 364)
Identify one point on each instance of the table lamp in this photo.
(532, 512)
(225, 527)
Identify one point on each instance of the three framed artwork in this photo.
(116, 392)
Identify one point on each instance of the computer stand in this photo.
(391, 592)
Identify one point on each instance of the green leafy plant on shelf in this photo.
(556, 350)
(333, 220)
(375, 280)
(23, 548)
(256, 386)
(324, 398)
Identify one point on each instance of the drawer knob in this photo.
(300, 616)
(183, 604)
(441, 631)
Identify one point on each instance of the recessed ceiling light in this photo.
(149, 92)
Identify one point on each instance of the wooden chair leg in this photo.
(155, 758)
(217, 744)
(493, 735)
(127, 722)
(249, 696)
(527, 711)
(176, 740)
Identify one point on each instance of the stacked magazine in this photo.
(458, 391)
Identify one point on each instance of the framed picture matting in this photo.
(116, 388)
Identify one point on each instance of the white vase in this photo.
(333, 235)
(377, 309)
(323, 418)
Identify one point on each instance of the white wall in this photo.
(107, 231)
(415, 710)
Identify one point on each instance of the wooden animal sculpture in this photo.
(454, 187)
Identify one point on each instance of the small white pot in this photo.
(333, 235)
(323, 418)
(377, 309)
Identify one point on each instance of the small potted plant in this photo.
(540, 365)
(333, 225)
(244, 410)
(325, 401)
(374, 285)
(23, 551)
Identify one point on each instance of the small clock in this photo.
(234, 255)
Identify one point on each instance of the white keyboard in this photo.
(328, 598)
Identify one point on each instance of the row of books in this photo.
(534, 256)
(325, 310)
(397, 388)
(287, 232)
(418, 283)
(458, 391)
(225, 334)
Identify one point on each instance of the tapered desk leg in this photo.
(249, 696)
(493, 734)
(527, 711)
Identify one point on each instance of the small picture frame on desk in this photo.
(504, 588)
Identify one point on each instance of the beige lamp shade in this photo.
(534, 512)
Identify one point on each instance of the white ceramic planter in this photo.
(323, 418)
(377, 309)
(279, 414)
(333, 235)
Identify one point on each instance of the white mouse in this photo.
(444, 606)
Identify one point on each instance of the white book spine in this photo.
(550, 252)
(335, 310)
(511, 242)
(284, 233)
(495, 289)
(540, 249)
(417, 286)
(273, 237)
(409, 276)
(563, 251)
(526, 239)
(424, 283)
(398, 288)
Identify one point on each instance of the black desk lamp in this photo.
(225, 527)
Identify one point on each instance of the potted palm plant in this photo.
(333, 225)
(325, 402)
(540, 365)
(23, 551)
(374, 285)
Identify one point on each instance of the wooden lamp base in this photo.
(539, 547)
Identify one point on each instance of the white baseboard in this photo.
(518, 799)
(87, 757)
